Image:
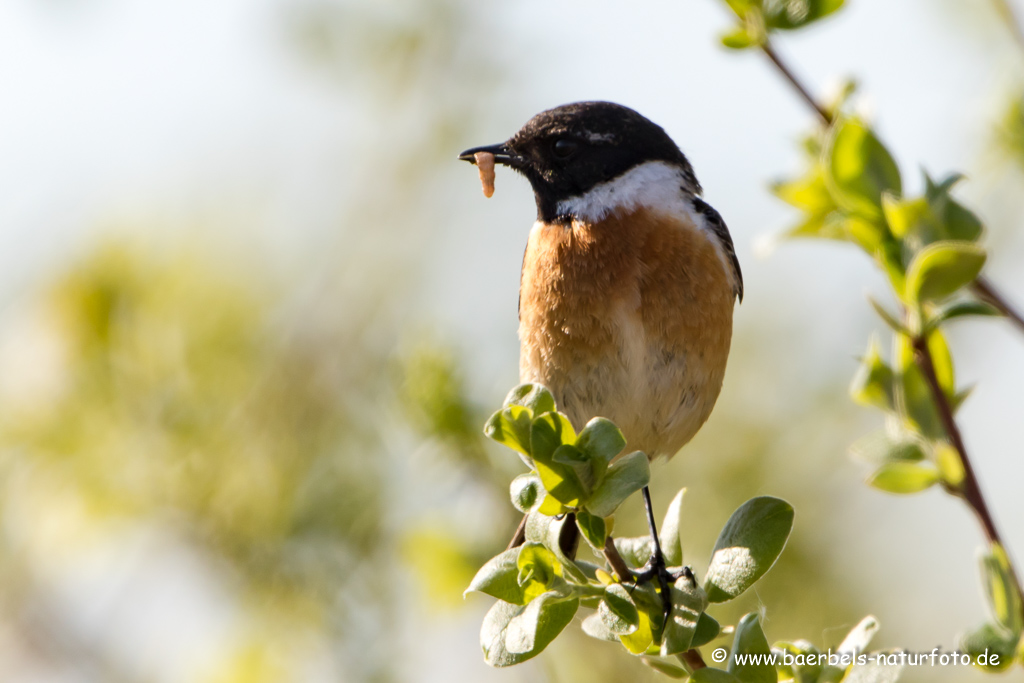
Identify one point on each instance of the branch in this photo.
(1005, 10)
(983, 288)
(969, 489)
(822, 113)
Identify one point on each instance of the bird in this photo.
(629, 278)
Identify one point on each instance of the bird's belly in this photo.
(658, 396)
(629, 319)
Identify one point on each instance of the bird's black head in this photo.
(566, 151)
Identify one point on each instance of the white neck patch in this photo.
(652, 185)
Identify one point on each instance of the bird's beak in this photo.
(502, 154)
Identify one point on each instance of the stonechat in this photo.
(629, 278)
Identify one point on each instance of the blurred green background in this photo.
(254, 313)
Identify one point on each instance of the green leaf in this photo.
(538, 569)
(894, 323)
(548, 531)
(942, 268)
(805, 667)
(961, 309)
(642, 638)
(918, 404)
(955, 221)
(665, 667)
(741, 39)
(671, 527)
(750, 640)
(593, 529)
(857, 640)
(709, 675)
(860, 169)
(595, 627)
(881, 447)
(497, 578)
(787, 15)
(600, 441)
(562, 482)
(511, 427)
(514, 633)
(942, 361)
(748, 546)
(527, 491)
(547, 433)
(905, 216)
(904, 477)
(583, 466)
(990, 646)
(951, 468)
(636, 550)
(707, 630)
(625, 477)
(534, 397)
(873, 383)
(688, 603)
(618, 612)
(1001, 590)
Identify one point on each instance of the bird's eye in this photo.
(565, 148)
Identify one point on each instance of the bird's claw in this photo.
(656, 569)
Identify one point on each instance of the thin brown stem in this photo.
(969, 489)
(615, 561)
(983, 288)
(693, 659)
(823, 113)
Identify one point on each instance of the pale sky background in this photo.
(190, 110)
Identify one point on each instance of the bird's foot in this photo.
(655, 569)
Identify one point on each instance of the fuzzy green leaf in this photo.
(707, 630)
(547, 432)
(873, 385)
(601, 441)
(527, 492)
(1000, 590)
(618, 612)
(514, 633)
(750, 640)
(860, 169)
(881, 447)
(990, 646)
(497, 578)
(941, 269)
(534, 397)
(593, 528)
(671, 527)
(636, 551)
(688, 603)
(748, 546)
(510, 427)
(625, 477)
(904, 477)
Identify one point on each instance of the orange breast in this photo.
(629, 318)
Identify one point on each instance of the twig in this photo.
(983, 288)
(969, 489)
(693, 659)
(826, 118)
(611, 553)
